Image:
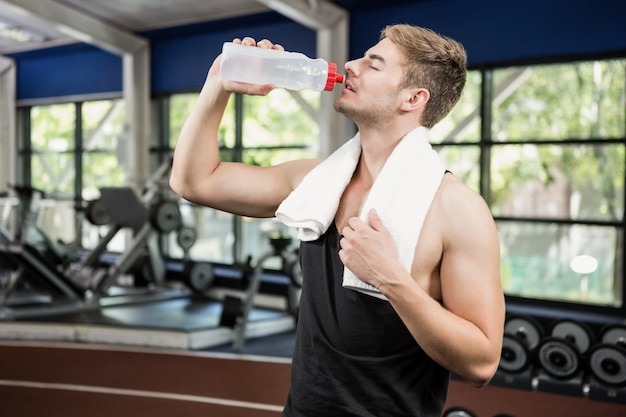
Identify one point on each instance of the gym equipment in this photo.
(85, 280)
(33, 287)
(31, 263)
(28, 230)
(236, 310)
(96, 213)
(606, 365)
(458, 412)
(127, 212)
(522, 335)
(197, 275)
(150, 217)
(525, 328)
(560, 357)
(575, 332)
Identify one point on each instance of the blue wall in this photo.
(181, 61)
(493, 32)
(66, 71)
(498, 31)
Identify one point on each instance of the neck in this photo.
(376, 146)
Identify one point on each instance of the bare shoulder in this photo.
(461, 209)
(454, 196)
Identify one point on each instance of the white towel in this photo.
(402, 194)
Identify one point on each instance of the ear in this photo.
(417, 99)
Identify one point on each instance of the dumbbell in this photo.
(521, 337)
(458, 412)
(607, 359)
(560, 354)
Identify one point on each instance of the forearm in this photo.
(197, 151)
(450, 340)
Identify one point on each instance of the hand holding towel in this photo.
(402, 194)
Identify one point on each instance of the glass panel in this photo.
(100, 170)
(277, 128)
(573, 263)
(214, 228)
(105, 138)
(580, 182)
(52, 127)
(215, 236)
(281, 119)
(180, 107)
(104, 125)
(54, 173)
(560, 101)
(462, 123)
(104, 135)
(464, 163)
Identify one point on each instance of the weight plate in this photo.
(165, 216)
(514, 357)
(96, 213)
(525, 328)
(558, 357)
(614, 335)
(608, 364)
(574, 332)
(200, 276)
(458, 412)
(186, 237)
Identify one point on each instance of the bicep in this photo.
(470, 270)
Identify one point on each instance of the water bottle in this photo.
(290, 70)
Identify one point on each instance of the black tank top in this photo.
(353, 354)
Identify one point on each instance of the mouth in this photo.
(349, 86)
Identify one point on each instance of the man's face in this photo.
(372, 85)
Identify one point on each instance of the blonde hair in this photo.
(434, 62)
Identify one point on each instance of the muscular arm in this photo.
(464, 331)
(199, 176)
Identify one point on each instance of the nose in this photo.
(350, 67)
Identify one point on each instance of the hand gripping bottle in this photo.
(291, 70)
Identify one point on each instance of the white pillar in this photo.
(8, 150)
(134, 51)
(331, 25)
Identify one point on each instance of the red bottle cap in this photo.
(333, 77)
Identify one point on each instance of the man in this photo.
(390, 354)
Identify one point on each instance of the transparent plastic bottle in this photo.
(290, 70)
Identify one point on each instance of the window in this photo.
(547, 152)
(544, 144)
(70, 164)
(557, 168)
(271, 130)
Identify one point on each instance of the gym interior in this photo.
(117, 297)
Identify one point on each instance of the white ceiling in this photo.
(129, 15)
(132, 15)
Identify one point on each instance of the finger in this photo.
(265, 43)
(356, 223)
(375, 221)
(248, 41)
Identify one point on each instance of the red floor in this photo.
(80, 380)
(69, 380)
